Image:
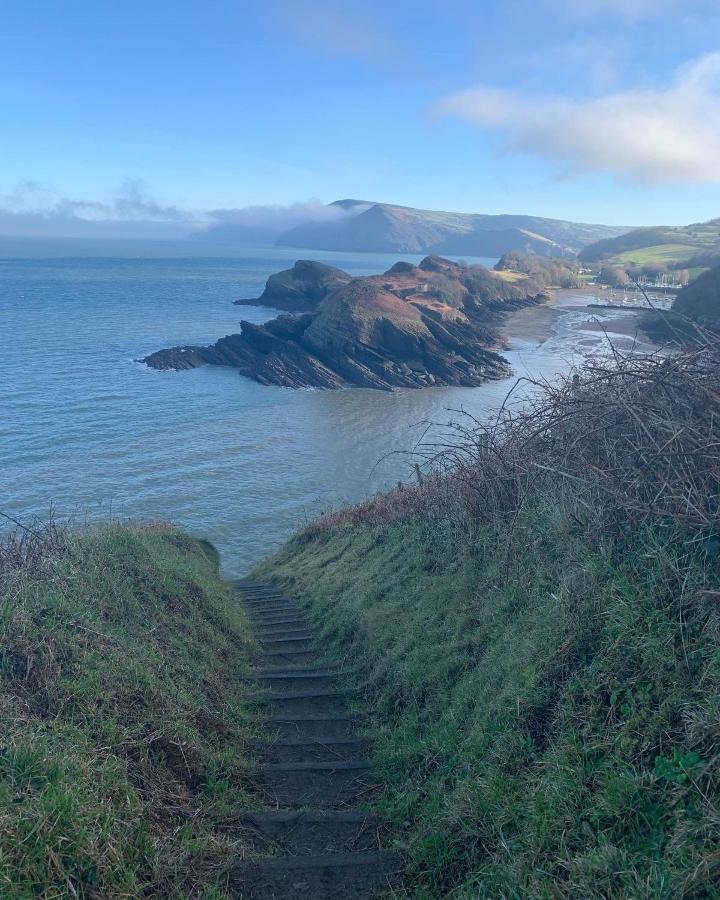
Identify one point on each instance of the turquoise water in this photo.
(86, 431)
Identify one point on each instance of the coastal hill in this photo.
(370, 227)
(692, 247)
(413, 326)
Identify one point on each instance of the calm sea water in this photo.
(87, 431)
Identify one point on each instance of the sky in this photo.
(154, 118)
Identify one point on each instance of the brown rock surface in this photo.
(414, 326)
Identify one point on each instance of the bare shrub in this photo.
(618, 443)
(28, 548)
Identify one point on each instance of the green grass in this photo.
(546, 706)
(662, 245)
(657, 255)
(123, 759)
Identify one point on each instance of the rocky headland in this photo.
(301, 288)
(413, 326)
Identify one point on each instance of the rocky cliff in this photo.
(301, 288)
(414, 326)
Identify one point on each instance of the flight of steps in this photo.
(311, 840)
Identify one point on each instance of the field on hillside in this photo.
(657, 246)
(662, 254)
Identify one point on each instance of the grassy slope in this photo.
(661, 254)
(657, 246)
(548, 708)
(124, 725)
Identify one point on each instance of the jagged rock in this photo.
(434, 324)
(301, 288)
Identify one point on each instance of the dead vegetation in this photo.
(536, 628)
(618, 443)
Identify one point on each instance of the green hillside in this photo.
(124, 726)
(689, 246)
(536, 630)
(388, 228)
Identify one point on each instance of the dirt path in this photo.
(312, 839)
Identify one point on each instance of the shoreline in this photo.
(538, 324)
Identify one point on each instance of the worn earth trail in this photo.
(312, 837)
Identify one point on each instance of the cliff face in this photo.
(301, 288)
(411, 327)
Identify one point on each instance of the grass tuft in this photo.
(122, 756)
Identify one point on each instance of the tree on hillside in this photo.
(701, 299)
(547, 271)
(615, 276)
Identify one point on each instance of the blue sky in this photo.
(593, 110)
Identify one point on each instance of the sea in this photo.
(87, 431)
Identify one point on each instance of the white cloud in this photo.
(34, 209)
(275, 216)
(270, 221)
(650, 135)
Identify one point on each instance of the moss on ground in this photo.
(123, 753)
(548, 706)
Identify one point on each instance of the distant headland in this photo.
(369, 227)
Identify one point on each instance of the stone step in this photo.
(312, 831)
(309, 727)
(280, 619)
(288, 643)
(297, 681)
(254, 587)
(261, 671)
(331, 876)
(274, 628)
(261, 606)
(316, 749)
(288, 658)
(291, 618)
(279, 632)
(328, 701)
(257, 607)
(321, 784)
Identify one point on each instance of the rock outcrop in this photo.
(301, 288)
(414, 326)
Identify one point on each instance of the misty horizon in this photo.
(591, 111)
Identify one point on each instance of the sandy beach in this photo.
(537, 324)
